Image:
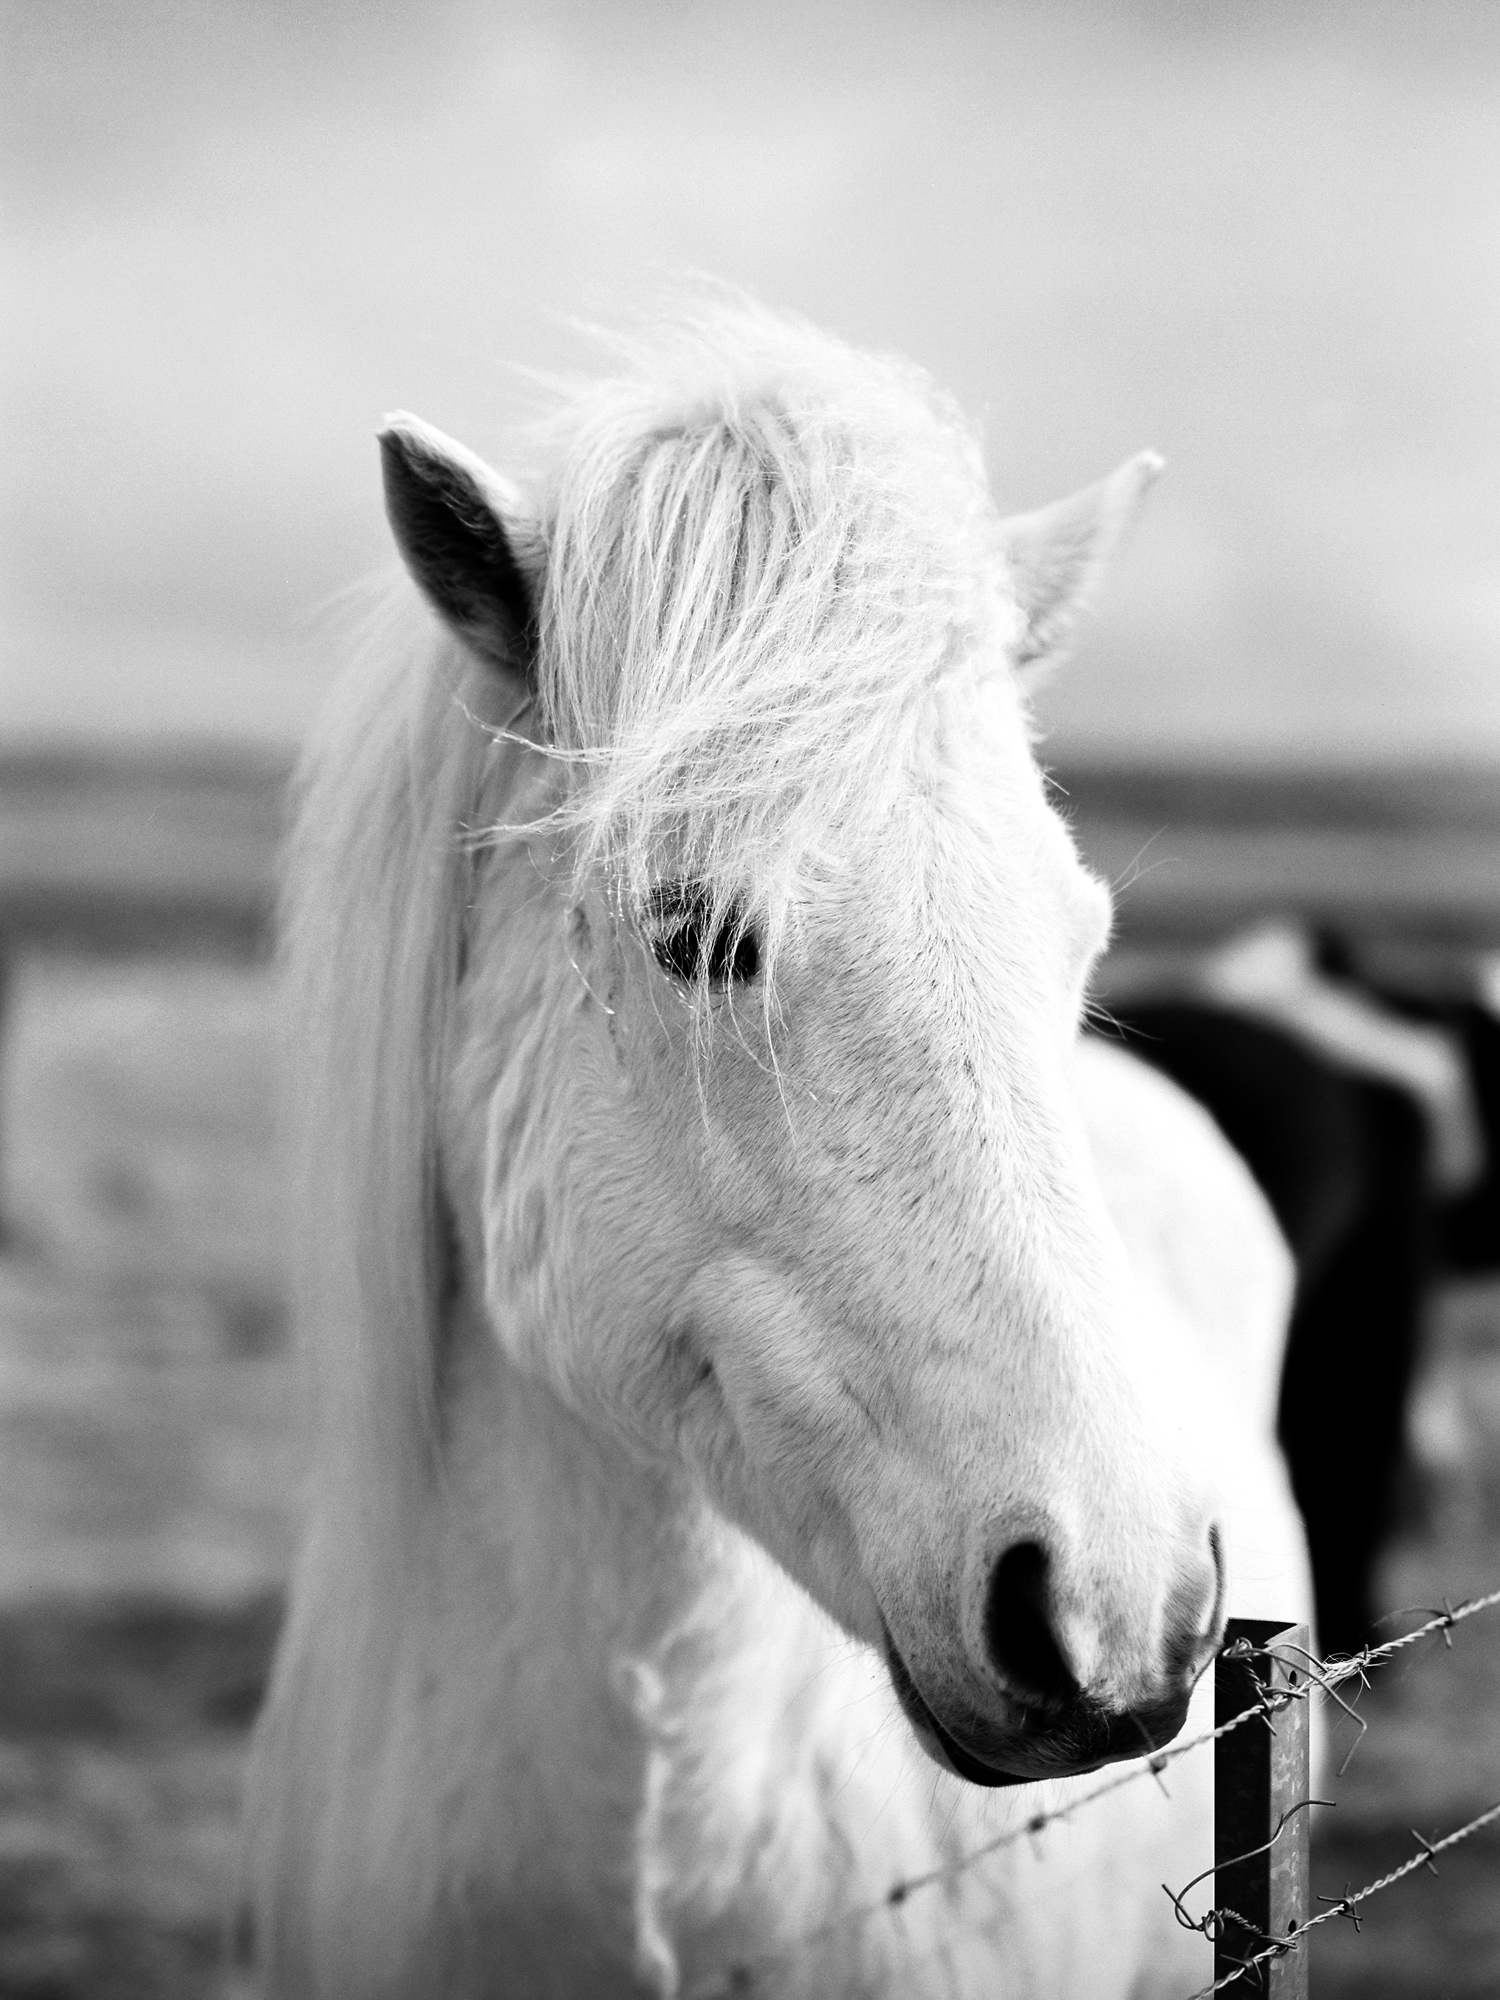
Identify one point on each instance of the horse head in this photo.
(763, 1130)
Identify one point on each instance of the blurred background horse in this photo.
(1370, 1116)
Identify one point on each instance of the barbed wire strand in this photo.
(1205, 1923)
(1325, 1675)
(1339, 1906)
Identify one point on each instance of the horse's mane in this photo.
(763, 549)
(376, 882)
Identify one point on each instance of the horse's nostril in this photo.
(1018, 1629)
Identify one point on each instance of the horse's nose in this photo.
(1018, 1634)
(1028, 1649)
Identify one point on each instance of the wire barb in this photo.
(1343, 1907)
(1428, 1848)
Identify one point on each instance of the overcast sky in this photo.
(1263, 238)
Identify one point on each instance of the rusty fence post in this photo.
(1261, 1772)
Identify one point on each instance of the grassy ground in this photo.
(148, 1482)
(147, 1467)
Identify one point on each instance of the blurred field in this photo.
(143, 849)
(148, 1465)
(149, 1477)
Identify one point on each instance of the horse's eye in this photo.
(689, 945)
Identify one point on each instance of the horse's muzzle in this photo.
(1060, 1741)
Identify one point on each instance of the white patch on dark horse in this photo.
(778, 1390)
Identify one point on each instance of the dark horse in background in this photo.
(1370, 1116)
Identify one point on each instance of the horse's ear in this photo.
(1057, 554)
(464, 537)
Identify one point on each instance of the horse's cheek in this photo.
(518, 1278)
(578, 1271)
(531, 1278)
(769, 1493)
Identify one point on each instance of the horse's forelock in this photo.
(765, 550)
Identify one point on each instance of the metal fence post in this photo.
(1261, 1772)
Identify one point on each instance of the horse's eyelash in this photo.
(694, 939)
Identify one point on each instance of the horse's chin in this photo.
(1042, 1745)
(944, 1750)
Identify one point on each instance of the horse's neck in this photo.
(636, 1675)
(566, 1558)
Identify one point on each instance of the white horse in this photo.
(786, 1406)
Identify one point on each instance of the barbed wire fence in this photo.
(1250, 1947)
